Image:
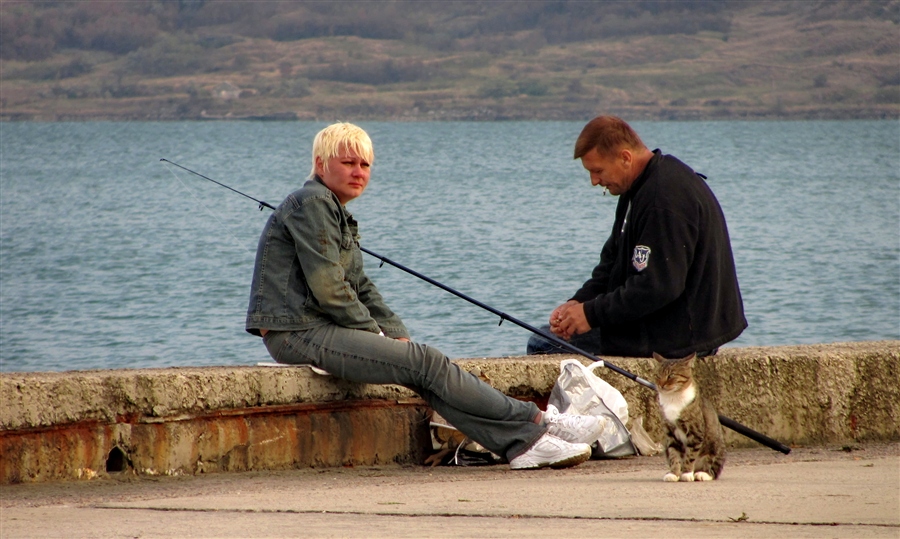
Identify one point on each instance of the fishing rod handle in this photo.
(753, 435)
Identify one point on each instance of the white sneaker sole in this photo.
(568, 462)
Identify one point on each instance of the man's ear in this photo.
(626, 156)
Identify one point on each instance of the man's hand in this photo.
(568, 319)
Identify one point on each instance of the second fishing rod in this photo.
(725, 421)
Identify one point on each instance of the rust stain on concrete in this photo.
(261, 438)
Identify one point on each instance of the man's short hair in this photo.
(607, 134)
(332, 140)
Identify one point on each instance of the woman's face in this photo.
(347, 174)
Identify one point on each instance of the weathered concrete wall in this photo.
(53, 398)
(358, 432)
(193, 420)
(811, 394)
(79, 424)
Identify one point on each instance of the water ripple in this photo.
(111, 259)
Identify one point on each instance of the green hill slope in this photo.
(404, 60)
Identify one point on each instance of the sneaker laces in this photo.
(552, 414)
(575, 423)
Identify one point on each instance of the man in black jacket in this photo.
(666, 280)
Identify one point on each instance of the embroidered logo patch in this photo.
(641, 257)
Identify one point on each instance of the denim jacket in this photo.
(309, 270)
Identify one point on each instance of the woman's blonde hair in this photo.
(330, 141)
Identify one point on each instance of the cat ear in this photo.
(658, 358)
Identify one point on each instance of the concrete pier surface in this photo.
(832, 491)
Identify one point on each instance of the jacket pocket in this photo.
(347, 258)
(346, 241)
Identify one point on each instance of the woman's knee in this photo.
(432, 364)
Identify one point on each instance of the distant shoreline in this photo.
(479, 114)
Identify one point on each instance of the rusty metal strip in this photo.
(282, 409)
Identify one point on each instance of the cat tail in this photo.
(716, 463)
(713, 455)
(712, 458)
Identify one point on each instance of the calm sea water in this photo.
(111, 259)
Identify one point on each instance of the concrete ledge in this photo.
(81, 424)
(799, 395)
(44, 399)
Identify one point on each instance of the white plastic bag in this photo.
(579, 391)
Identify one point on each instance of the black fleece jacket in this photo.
(666, 280)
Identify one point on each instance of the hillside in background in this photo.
(422, 60)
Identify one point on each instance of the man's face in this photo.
(347, 175)
(614, 172)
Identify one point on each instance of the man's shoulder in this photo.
(671, 185)
(669, 173)
(671, 165)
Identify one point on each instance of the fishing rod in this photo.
(725, 421)
(260, 202)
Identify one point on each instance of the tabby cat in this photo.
(695, 447)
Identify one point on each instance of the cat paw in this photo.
(702, 476)
(670, 478)
(689, 476)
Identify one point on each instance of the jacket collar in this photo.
(648, 170)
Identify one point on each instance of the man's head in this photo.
(342, 158)
(612, 153)
(336, 139)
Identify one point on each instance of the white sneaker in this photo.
(553, 452)
(578, 429)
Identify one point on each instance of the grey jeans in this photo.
(500, 423)
(589, 342)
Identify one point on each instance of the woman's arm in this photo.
(389, 322)
(319, 241)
